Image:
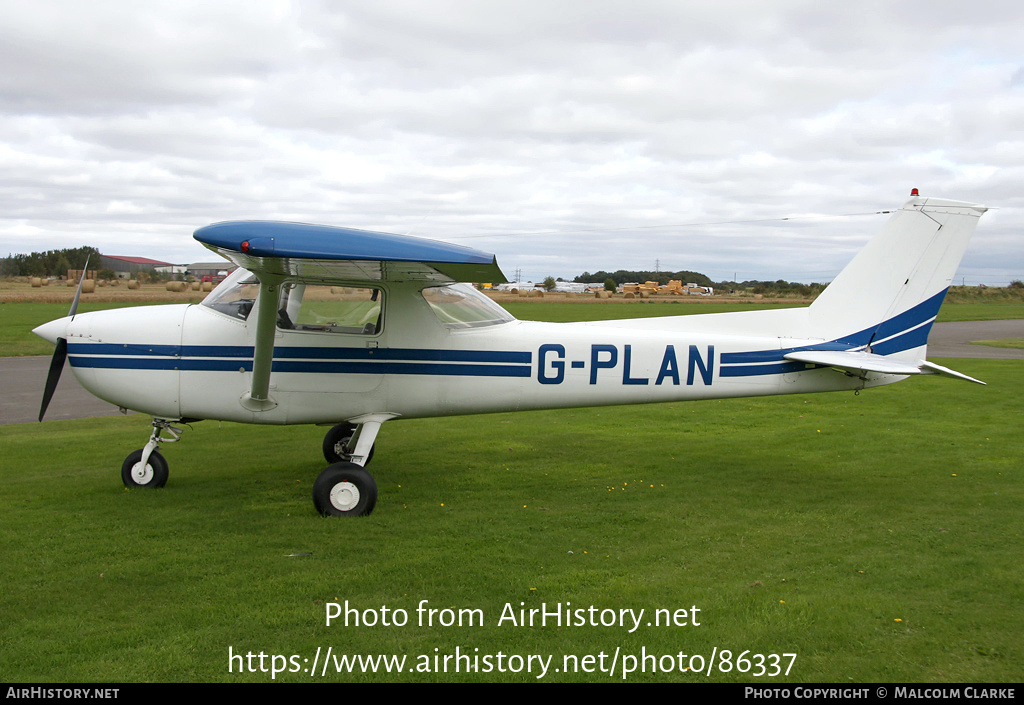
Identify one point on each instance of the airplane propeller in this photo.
(60, 353)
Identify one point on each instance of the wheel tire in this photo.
(344, 490)
(336, 440)
(154, 475)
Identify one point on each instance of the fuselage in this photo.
(195, 361)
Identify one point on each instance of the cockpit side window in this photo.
(304, 307)
(331, 309)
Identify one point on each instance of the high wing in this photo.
(276, 251)
(330, 254)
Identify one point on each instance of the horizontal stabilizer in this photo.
(864, 362)
(932, 368)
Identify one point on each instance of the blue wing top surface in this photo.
(326, 253)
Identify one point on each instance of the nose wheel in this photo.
(340, 443)
(152, 474)
(145, 467)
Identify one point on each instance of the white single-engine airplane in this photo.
(326, 325)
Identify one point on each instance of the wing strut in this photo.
(258, 398)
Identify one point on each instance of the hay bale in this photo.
(197, 286)
(630, 295)
(207, 286)
(537, 294)
(36, 282)
(176, 286)
(46, 282)
(133, 284)
(88, 286)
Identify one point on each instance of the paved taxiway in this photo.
(23, 378)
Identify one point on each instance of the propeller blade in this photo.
(78, 292)
(60, 354)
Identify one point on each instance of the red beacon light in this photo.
(245, 245)
(914, 192)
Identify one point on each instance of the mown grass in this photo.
(876, 536)
(980, 312)
(1016, 343)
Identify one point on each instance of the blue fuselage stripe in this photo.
(353, 368)
(295, 353)
(217, 358)
(906, 331)
(778, 368)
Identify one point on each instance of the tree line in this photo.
(780, 287)
(52, 263)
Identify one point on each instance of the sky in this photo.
(747, 140)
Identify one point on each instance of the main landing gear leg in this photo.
(344, 488)
(146, 467)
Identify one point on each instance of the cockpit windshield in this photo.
(235, 295)
(462, 306)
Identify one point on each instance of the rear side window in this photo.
(462, 306)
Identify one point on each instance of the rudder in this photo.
(888, 296)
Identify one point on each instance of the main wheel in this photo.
(336, 442)
(344, 490)
(153, 475)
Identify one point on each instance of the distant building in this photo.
(170, 269)
(575, 287)
(509, 286)
(129, 267)
(212, 270)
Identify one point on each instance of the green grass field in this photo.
(1015, 343)
(877, 537)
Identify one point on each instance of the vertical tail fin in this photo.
(888, 296)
